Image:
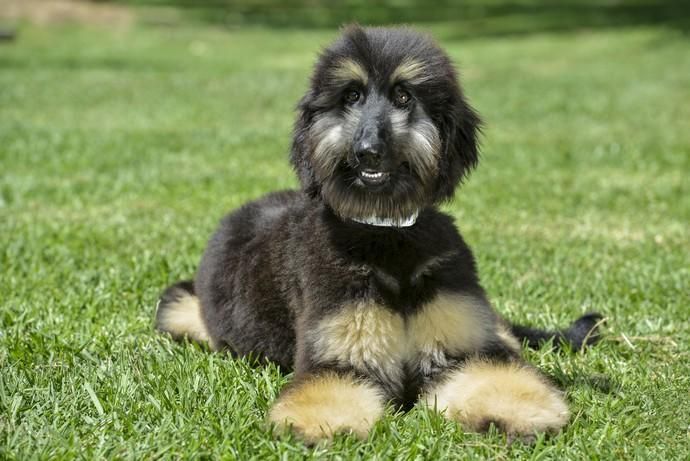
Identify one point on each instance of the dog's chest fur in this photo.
(406, 325)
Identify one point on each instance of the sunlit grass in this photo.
(120, 150)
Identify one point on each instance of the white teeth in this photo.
(376, 175)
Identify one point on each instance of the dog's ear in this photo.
(299, 153)
(461, 128)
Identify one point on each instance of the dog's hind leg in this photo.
(582, 332)
(179, 313)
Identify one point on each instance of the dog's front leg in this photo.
(317, 406)
(349, 361)
(510, 395)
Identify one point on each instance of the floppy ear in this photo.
(299, 153)
(461, 128)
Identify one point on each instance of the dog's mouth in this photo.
(387, 192)
(373, 177)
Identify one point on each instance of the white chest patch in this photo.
(369, 336)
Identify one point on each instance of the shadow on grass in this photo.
(598, 382)
(474, 18)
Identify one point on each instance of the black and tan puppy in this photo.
(358, 283)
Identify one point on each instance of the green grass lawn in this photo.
(120, 149)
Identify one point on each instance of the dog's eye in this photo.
(352, 96)
(402, 97)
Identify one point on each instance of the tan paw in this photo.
(321, 406)
(514, 398)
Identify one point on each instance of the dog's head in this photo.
(384, 129)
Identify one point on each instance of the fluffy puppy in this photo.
(358, 283)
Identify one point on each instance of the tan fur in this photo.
(183, 318)
(322, 406)
(367, 335)
(348, 70)
(508, 338)
(450, 323)
(424, 147)
(516, 398)
(409, 70)
(330, 135)
(363, 335)
(329, 143)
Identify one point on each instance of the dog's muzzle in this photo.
(373, 165)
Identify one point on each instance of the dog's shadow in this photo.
(598, 382)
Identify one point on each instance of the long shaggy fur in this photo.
(357, 282)
(382, 52)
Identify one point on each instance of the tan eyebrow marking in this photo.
(410, 70)
(347, 70)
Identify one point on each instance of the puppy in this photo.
(358, 283)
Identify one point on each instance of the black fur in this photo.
(582, 332)
(382, 50)
(280, 264)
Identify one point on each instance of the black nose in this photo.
(368, 153)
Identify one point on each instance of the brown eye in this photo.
(352, 96)
(402, 97)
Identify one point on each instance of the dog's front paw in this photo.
(512, 397)
(319, 407)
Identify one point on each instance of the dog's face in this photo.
(384, 129)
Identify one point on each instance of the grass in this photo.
(120, 149)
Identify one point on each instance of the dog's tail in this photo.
(582, 332)
(179, 313)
